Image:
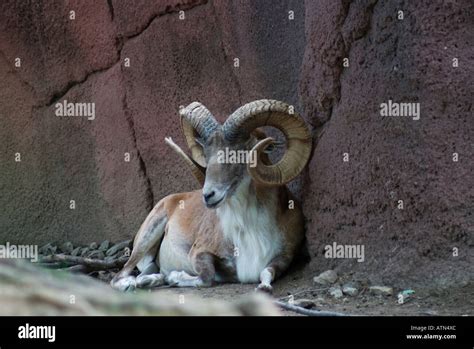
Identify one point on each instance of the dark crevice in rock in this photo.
(357, 33)
(120, 42)
(71, 84)
(111, 9)
(227, 57)
(336, 96)
(168, 10)
(150, 197)
(361, 30)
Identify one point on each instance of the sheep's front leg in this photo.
(273, 270)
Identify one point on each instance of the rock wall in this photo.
(391, 158)
(175, 61)
(172, 62)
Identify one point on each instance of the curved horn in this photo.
(266, 112)
(196, 169)
(197, 120)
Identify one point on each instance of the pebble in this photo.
(117, 247)
(47, 249)
(327, 278)
(104, 246)
(336, 292)
(84, 250)
(96, 254)
(381, 290)
(350, 290)
(76, 251)
(67, 247)
(109, 259)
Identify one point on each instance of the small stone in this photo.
(104, 246)
(304, 303)
(381, 290)
(67, 247)
(95, 255)
(350, 290)
(109, 259)
(47, 249)
(327, 278)
(93, 246)
(76, 251)
(336, 292)
(84, 250)
(117, 247)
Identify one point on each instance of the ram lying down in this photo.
(243, 225)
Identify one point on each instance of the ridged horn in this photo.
(197, 120)
(267, 112)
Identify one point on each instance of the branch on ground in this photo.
(307, 312)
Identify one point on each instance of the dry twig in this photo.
(308, 312)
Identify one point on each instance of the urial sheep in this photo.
(244, 225)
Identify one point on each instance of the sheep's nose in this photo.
(208, 195)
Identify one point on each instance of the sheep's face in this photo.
(226, 168)
(231, 160)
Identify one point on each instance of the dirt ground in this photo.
(299, 284)
(428, 296)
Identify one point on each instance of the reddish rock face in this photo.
(173, 62)
(176, 61)
(391, 158)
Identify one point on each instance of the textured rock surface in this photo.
(391, 158)
(174, 62)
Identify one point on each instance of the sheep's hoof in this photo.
(264, 288)
(126, 284)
